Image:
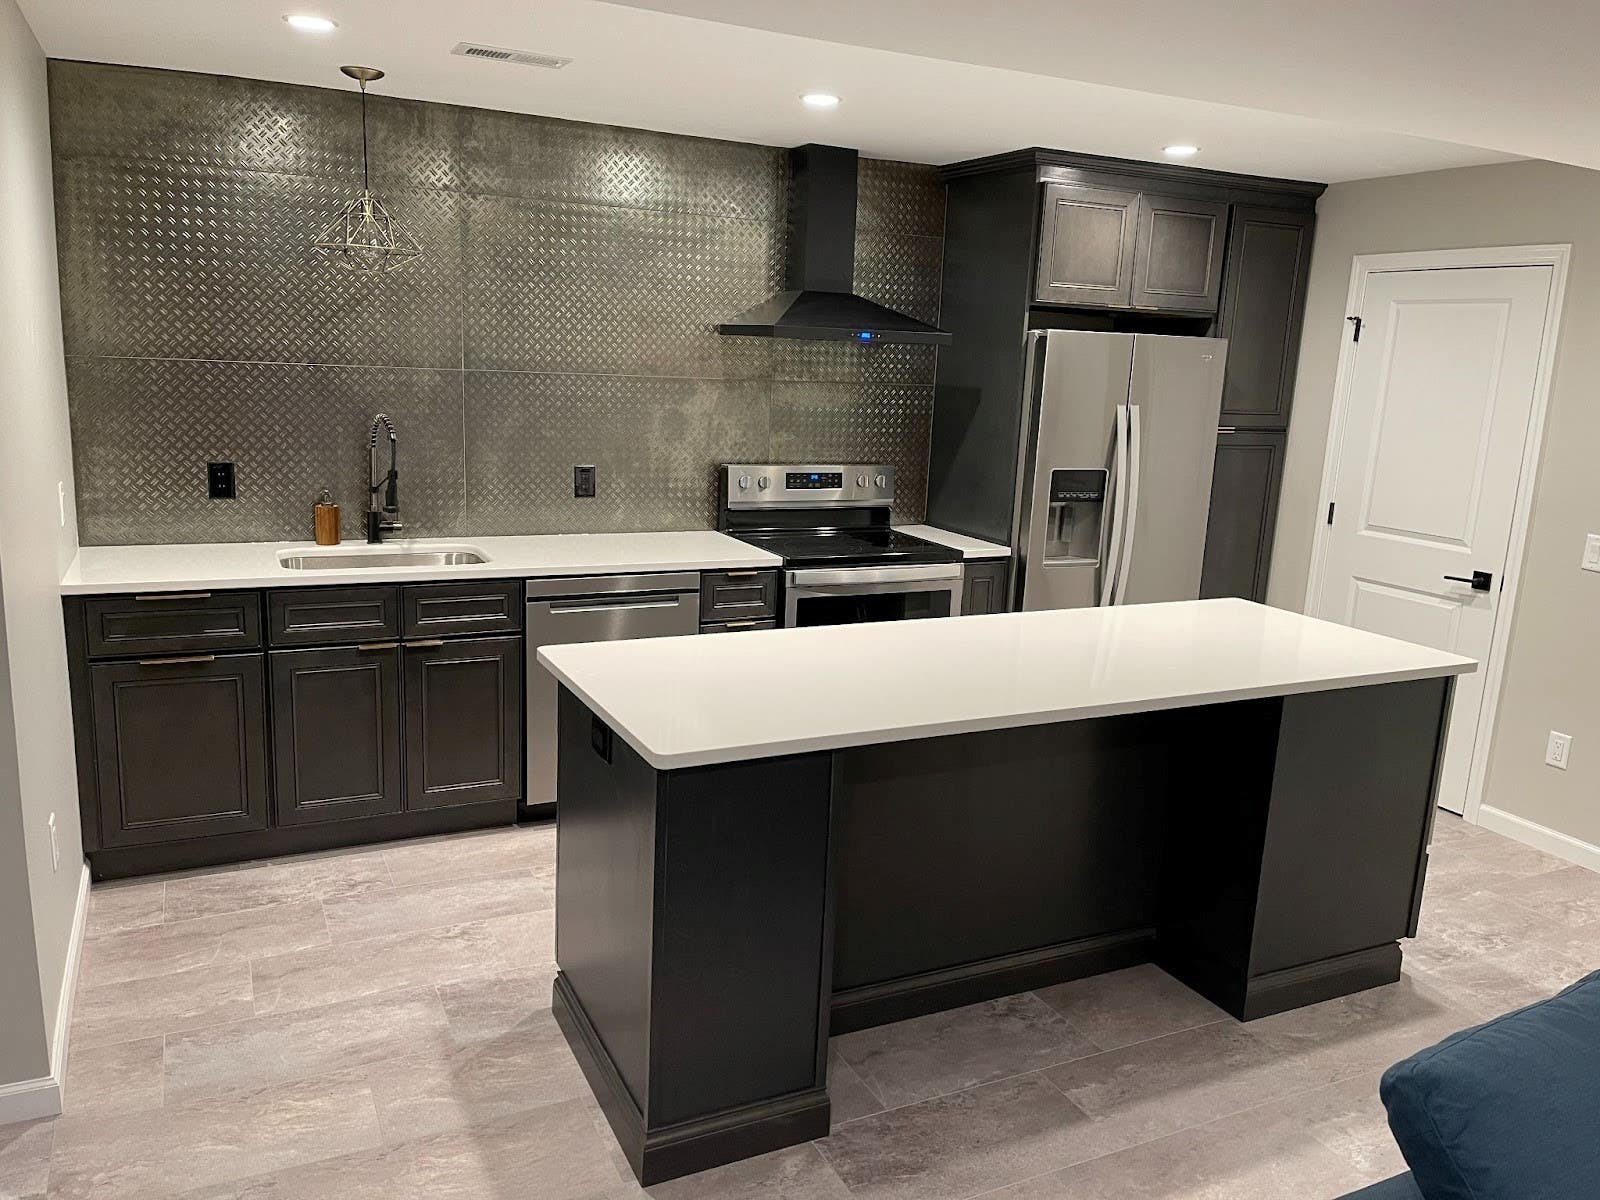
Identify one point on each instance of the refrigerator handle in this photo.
(1131, 522)
(1119, 507)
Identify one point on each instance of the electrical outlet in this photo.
(1591, 552)
(583, 483)
(220, 481)
(61, 500)
(55, 845)
(1558, 751)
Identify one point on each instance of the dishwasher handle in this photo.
(617, 603)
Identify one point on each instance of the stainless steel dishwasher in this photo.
(601, 608)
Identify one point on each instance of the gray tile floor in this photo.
(376, 1023)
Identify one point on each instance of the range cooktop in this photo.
(868, 546)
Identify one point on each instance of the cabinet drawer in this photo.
(739, 626)
(738, 595)
(331, 616)
(129, 626)
(442, 609)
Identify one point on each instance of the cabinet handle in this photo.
(429, 643)
(175, 596)
(172, 662)
(741, 624)
(378, 646)
(1227, 429)
(740, 574)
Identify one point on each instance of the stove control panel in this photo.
(807, 485)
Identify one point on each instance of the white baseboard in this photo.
(32, 1099)
(1540, 837)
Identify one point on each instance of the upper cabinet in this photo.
(1269, 261)
(1102, 248)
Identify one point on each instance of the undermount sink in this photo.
(355, 560)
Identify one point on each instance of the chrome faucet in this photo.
(383, 516)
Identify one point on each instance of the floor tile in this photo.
(122, 905)
(374, 1174)
(797, 1173)
(848, 1093)
(184, 945)
(495, 1006)
(1569, 896)
(462, 856)
(527, 940)
(134, 1155)
(304, 1043)
(25, 1159)
(1134, 1005)
(328, 974)
(1463, 927)
(311, 877)
(950, 1051)
(142, 1008)
(447, 902)
(121, 1077)
(958, 1145)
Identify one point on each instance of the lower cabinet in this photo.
(180, 747)
(1244, 512)
(984, 587)
(336, 733)
(463, 722)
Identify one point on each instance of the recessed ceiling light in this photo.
(1180, 151)
(820, 100)
(309, 24)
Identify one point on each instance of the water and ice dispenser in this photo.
(1077, 503)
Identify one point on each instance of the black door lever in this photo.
(1481, 581)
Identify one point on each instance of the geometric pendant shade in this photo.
(364, 237)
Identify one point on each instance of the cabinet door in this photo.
(1263, 303)
(1180, 250)
(336, 733)
(984, 587)
(1244, 511)
(180, 747)
(1086, 246)
(463, 721)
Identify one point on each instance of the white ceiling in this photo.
(664, 70)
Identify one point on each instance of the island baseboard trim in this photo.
(971, 983)
(675, 1150)
(1295, 987)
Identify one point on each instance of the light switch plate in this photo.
(1558, 751)
(1591, 552)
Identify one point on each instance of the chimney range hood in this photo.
(819, 305)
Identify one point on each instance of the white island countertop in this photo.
(687, 702)
(102, 570)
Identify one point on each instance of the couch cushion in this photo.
(1401, 1187)
(1509, 1110)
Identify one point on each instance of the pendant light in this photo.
(364, 237)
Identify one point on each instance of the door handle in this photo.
(1481, 581)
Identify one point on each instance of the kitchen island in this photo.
(766, 839)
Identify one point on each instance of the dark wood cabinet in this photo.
(180, 747)
(336, 733)
(329, 616)
(743, 596)
(172, 623)
(463, 721)
(984, 587)
(1179, 253)
(1264, 294)
(1244, 512)
(1086, 246)
(478, 608)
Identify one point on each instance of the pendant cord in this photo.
(365, 186)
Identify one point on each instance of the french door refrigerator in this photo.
(1114, 474)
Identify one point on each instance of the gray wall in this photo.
(37, 772)
(563, 313)
(1554, 654)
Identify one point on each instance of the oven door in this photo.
(853, 595)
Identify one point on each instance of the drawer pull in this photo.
(378, 646)
(742, 624)
(740, 574)
(175, 596)
(178, 660)
(429, 643)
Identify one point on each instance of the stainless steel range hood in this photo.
(818, 304)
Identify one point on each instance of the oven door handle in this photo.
(853, 576)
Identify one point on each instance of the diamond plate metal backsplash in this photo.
(563, 313)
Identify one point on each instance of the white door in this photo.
(1426, 467)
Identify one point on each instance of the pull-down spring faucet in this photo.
(383, 516)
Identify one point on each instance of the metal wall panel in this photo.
(563, 313)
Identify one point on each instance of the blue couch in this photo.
(1509, 1110)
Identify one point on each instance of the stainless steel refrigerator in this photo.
(1114, 474)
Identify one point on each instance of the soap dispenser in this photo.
(325, 517)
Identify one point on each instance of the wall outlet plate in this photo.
(583, 483)
(220, 481)
(1591, 552)
(1558, 750)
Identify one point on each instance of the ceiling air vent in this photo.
(526, 58)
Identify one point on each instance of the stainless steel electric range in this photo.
(843, 563)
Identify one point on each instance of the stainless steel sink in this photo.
(360, 559)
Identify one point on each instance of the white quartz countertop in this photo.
(686, 702)
(970, 547)
(109, 569)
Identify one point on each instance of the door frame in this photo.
(1362, 268)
